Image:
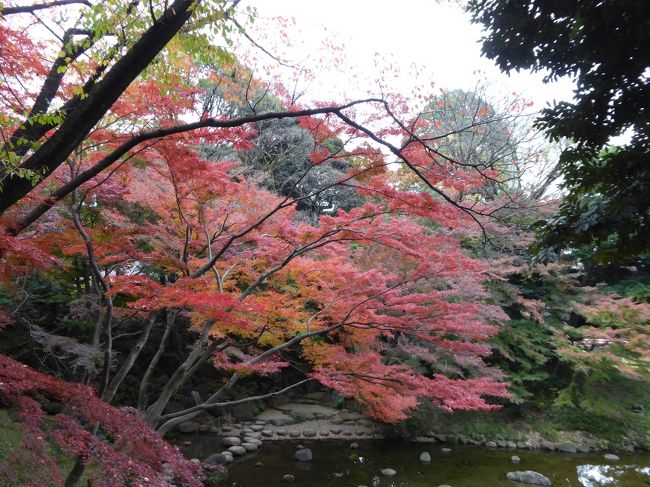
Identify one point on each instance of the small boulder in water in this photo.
(303, 455)
(237, 450)
(567, 447)
(231, 441)
(529, 477)
(216, 459)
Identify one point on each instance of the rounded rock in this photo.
(249, 446)
(388, 472)
(231, 441)
(611, 457)
(548, 445)
(529, 477)
(566, 447)
(237, 450)
(303, 455)
(425, 457)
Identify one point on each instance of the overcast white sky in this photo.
(438, 37)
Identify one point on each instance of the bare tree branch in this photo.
(41, 6)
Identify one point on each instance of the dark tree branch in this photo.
(123, 149)
(28, 9)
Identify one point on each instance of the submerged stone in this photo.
(303, 455)
(529, 477)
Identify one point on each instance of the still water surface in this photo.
(336, 465)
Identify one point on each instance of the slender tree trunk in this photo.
(99, 326)
(168, 425)
(143, 396)
(79, 466)
(87, 111)
(75, 474)
(180, 375)
(119, 377)
(108, 346)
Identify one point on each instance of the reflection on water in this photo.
(596, 475)
(599, 475)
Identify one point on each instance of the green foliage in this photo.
(487, 428)
(216, 479)
(524, 346)
(601, 210)
(607, 205)
(636, 287)
(602, 403)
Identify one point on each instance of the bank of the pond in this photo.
(335, 463)
(316, 422)
(568, 429)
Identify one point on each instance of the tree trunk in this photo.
(75, 474)
(88, 111)
(143, 397)
(130, 360)
(178, 378)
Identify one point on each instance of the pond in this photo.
(335, 464)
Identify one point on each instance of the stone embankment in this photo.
(310, 421)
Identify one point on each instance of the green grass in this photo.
(482, 426)
(10, 439)
(10, 434)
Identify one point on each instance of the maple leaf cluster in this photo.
(130, 453)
